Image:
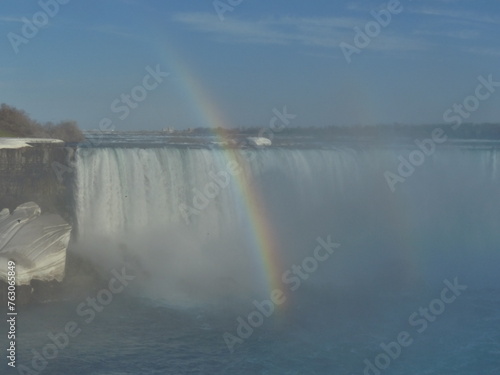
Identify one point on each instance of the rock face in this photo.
(36, 242)
(39, 173)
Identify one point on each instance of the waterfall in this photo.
(121, 190)
(181, 215)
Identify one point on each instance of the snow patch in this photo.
(26, 142)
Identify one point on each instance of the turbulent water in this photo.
(412, 287)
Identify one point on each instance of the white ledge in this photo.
(26, 142)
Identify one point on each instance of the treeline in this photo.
(16, 123)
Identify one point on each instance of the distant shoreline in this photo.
(467, 131)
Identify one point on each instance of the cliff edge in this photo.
(29, 173)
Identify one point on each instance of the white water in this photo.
(122, 189)
(440, 223)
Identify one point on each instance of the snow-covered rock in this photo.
(259, 141)
(36, 242)
(26, 142)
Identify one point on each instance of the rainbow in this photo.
(260, 232)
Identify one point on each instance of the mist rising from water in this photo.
(440, 223)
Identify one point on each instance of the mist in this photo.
(390, 242)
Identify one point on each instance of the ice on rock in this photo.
(36, 242)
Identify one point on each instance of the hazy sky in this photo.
(236, 65)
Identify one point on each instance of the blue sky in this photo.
(262, 55)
